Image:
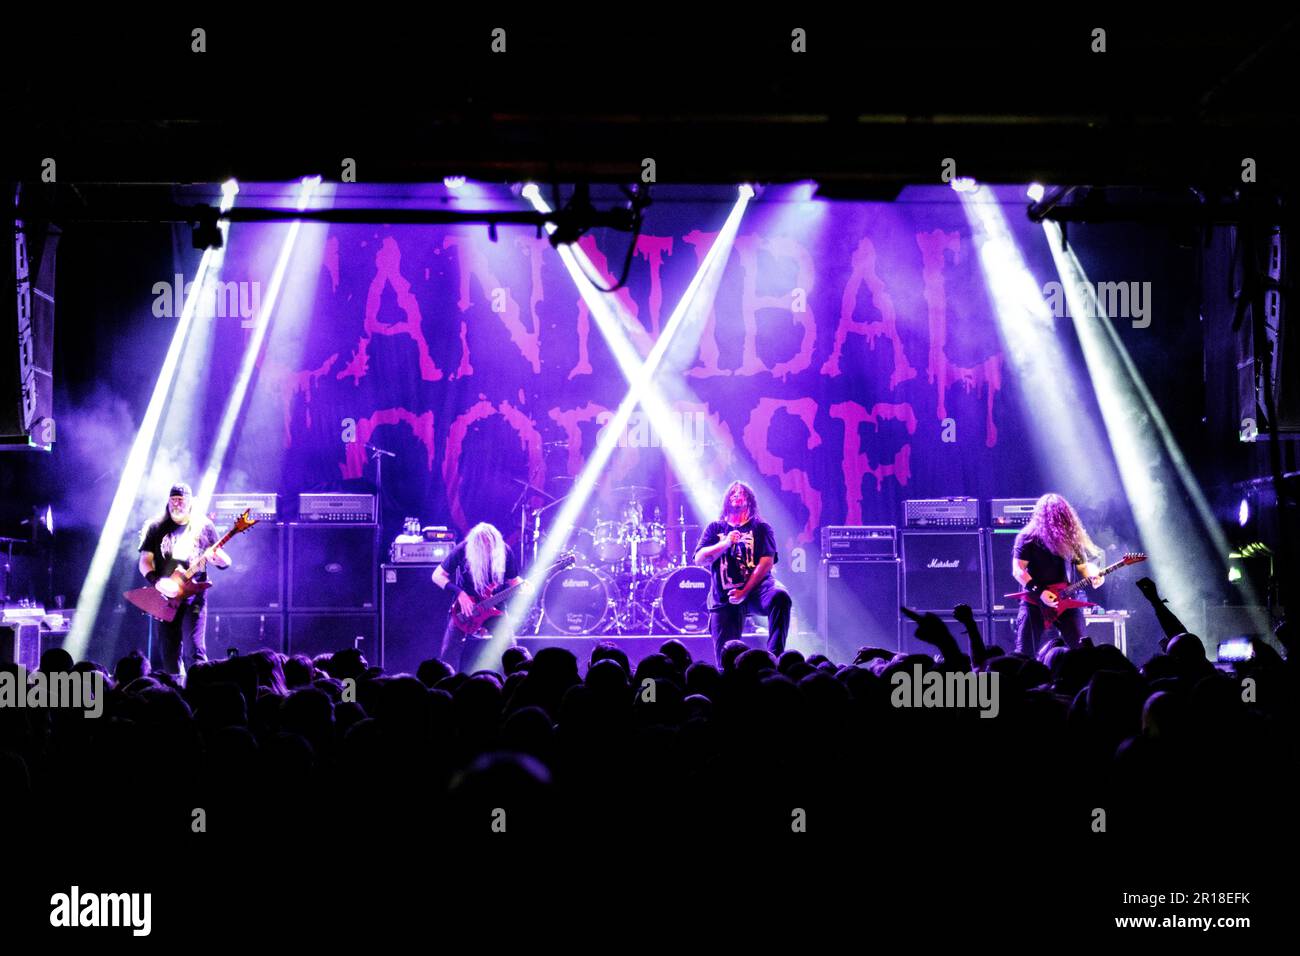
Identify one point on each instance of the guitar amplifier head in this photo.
(859, 541)
(419, 552)
(262, 506)
(1010, 512)
(941, 513)
(355, 509)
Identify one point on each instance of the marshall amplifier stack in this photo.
(944, 555)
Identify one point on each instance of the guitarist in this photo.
(171, 542)
(1053, 536)
(477, 568)
(740, 549)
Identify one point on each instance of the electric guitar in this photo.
(1063, 592)
(163, 599)
(488, 608)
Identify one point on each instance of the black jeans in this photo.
(1030, 627)
(463, 652)
(727, 622)
(190, 625)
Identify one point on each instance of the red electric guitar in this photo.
(164, 597)
(488, 608)
(1064, 592)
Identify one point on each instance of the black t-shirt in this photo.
(733, 567)
(457, 569)
(176, 545)
(1045, 566)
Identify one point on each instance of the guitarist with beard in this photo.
(1053, 537)
(477, 568)
(171, 542)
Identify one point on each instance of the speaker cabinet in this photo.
(255, 579)
(332, 568)
(942, 569)
(313, 634)
(413, 616)
(1001, 631)
(243, 632)
(21, 644)
(1000, 545)
(857, 605)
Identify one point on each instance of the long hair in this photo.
(749, 497)
(1055, 523)
(485, 553)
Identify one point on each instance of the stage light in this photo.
(689, 314)
(746, 191)
(240, 386)
(1032, 345)
(1035, 192)
(1243, 512)
(1185, 543)
(133, 470)
(532, 194)
(453, 182)
(618, 329)
(964, 184)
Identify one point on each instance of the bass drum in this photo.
(679, 599)
(577, 601)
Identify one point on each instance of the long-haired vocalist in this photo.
(1053, 537)
(477, 568)
(170, 542)
(740, 547)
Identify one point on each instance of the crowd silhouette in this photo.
(268, 745)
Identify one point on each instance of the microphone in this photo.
(379, 451)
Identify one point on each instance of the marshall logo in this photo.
(936, 563)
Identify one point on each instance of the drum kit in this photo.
(633, 576)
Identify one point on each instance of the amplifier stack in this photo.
(944, 555)
(299, 587)
(858, 589)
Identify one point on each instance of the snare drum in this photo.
(682, 596)
(578, 601)
(653, 540)
(610, 544)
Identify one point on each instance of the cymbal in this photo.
(635, 491)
